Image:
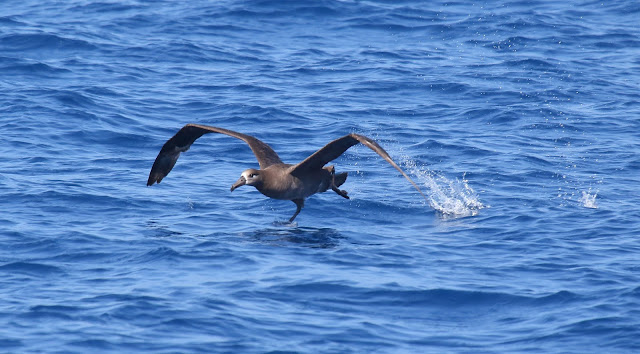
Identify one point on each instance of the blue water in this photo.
(520, 120)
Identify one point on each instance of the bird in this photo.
(275, 179)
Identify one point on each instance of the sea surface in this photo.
(519, 120)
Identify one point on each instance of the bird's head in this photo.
(250, 177)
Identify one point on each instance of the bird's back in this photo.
(278, 183)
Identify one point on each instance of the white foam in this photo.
(452, 198)
(588, 200)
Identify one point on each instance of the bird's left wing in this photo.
(337, 147)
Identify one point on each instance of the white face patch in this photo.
(250, 177)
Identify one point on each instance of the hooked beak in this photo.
(240, 182)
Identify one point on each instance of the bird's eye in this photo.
(252, 175)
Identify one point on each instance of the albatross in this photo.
(275, 179)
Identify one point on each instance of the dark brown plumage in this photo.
(274, 179)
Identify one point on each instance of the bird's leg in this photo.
(299, 205)
(340, 192)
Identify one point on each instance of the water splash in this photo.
(452, 198)
(572, 191)
(588, 200)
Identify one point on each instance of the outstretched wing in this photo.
(191, 132)
(337, 147)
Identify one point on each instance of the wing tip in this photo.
(154, 177)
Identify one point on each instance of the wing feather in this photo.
(337, 147)
(189, 134)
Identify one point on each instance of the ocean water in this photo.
(520, 120)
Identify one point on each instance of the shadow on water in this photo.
(290, 234)
(158, 230)
(281, 234)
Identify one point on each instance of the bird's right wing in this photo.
(191, 132)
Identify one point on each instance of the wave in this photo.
(32, 269)
(398, 297)
(42, 42)
(11, 66)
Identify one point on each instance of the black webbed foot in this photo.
(340, 192)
